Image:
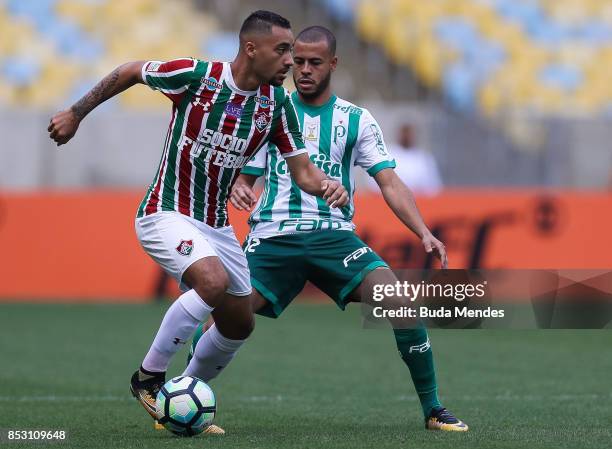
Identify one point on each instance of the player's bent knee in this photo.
(209, 279)
(212, 288)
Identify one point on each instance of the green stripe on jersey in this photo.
(351, 139)
(325, 127)
(295, 197)
(169, 82)
(201, 175)
(244, 127)
(167, 194)
(272, 184)
(253, 171)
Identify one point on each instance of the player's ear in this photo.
(250, 49)
(333, 63)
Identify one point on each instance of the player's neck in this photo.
(244, 78)
(319, 100)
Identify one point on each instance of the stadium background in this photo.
(512, 97)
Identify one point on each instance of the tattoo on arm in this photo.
(100, 93)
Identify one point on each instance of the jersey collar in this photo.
(313, 111)
(229, 80)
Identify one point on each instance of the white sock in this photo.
(211, 355)
(176, 328)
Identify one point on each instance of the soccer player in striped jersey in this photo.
(295, 237)
(222, 114)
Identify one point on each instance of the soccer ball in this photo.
(186, 406)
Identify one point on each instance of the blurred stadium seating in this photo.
(70, 44)
(529, 78)
(542, 56)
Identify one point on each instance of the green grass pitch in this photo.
(313, 378)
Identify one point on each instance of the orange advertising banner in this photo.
(81, 245)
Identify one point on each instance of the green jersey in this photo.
(338, 135)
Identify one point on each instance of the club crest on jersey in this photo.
(261, 121)
(153, 66)
(312, 132)
(264, 102)
(185, 247)
(233, 109)
(211, 83)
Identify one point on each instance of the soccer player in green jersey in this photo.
(222, 114)
(295, 237)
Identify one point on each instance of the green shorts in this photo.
(335, 261)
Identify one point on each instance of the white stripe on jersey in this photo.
(180, 146)
(334, 125)
(175, 72)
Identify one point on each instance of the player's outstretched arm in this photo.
(64, 124)
(401, 201)
(242, 196)
(313, 181)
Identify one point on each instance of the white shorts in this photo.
(175, 241)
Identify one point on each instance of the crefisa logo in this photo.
(264, 102)
(211, 83)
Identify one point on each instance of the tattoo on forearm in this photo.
(100, 93)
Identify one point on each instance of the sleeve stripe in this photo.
(172, 73)
(172, 91)
(253, 171)
(169, 69)
(380, 166)
(294, 153)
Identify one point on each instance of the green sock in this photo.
(415, 350)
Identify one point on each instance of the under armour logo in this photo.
(197, 102)
(178, 341)
(219, 368)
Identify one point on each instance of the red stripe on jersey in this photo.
(154, 197)
(280, 137)
(213, 172)
(192, 130)
(184, 176)
(258, 136)
(171, 66)
(175, 98)
(176, 64)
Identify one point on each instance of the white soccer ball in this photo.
(186, 406)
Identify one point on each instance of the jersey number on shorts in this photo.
(251, 245)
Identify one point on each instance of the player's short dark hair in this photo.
(318, 33)
(261, 21)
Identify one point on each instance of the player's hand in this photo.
(242, 197)
(430, 243)
(335, 195)
(63, 126)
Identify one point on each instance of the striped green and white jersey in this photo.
(214, 130)
(338, 135)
